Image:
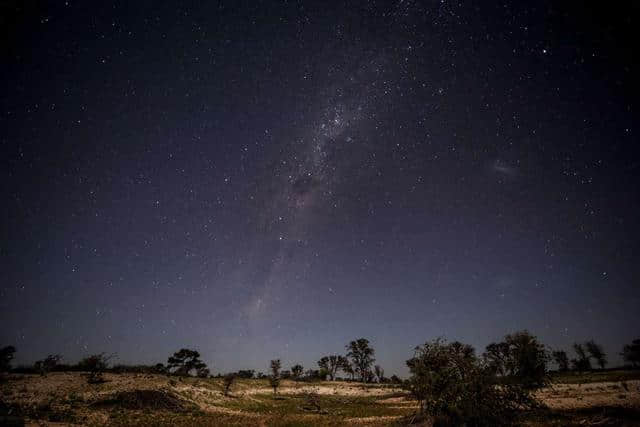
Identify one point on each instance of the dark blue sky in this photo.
(273, 179)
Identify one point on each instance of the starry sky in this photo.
(262, 179)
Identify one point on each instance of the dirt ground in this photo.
(65, 398)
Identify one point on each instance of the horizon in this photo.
(274, 180)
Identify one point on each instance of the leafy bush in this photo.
(48, 364)
(519, 358)
(95, 365)
(227, 383)
(274, 378)
(456, 388)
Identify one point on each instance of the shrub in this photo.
(95, 365)
(455, 388)
(48, 364)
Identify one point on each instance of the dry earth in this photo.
(65, 398)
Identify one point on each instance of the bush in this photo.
(631, 353)
(48, 364)
(455, 388)
(227, 383)
(274, 378)
(95, 365)
(519, 358)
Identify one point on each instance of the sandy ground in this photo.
(67, 392)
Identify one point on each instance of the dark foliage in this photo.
(48, 364)
(456, 388)
(183, 362)
(597, 352)
(582, 362)
(296, 371)
(6, 356)
(520, 358)
(274, 378)
(361, 355)
(631, 353)
(561, 359)
(95, 365)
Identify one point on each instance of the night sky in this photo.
(263, 179)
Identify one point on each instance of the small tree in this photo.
(582, 362)
(347, 368)
(561, 359)
(631, 353)
(332, 364)
(597, 352)
(6, 356)
(379, 373)
(296, 371)
(227, 383)
(274, 378)
(48, 364)
(184, 361)
(361, 355)
(395, 379)
(203, 372)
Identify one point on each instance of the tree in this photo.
(631, 353)
(347, 368)
(582, 362)
(48, 364)
(597, 352)
(520, 357)
(296, 371)
(184, 361)
(6, 356)
(332, 364)
(395, 379)
(454, 387)
(561, 359)
(274, 378)
(227, 382)
(361, 356)
(379, 373)
(246, 373)
(203, 372)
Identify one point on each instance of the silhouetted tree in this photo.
(347, 368)
(519, 357)
(332, 364)
(395, 379)
(184, 361)
(361, 355)
(227, 383)
(274, 378)
(597, 352)
(95, 365)
(454, 388)
(246, 373)
(6, 356)
(159, 368)
(48, 364)
(296, 371)
(582, 362)
(631, 353)
(561, 359)
(379, 373)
